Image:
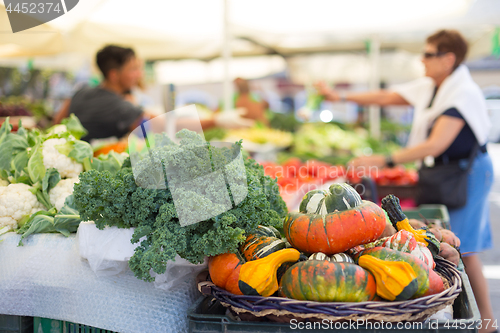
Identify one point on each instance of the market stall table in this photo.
(47, 278)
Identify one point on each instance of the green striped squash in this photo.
(261, 243)
(268, 231)
(319, 256)
(325, 281)
(341, 257)
(338, 197)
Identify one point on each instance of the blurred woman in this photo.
(450, 120)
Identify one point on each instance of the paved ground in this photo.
(491, 258)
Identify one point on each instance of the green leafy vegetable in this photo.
(11, 145)
(5, 129)
(76, 149)
(19, 162)
(65, 221)
(74, 126)
(116, 200)
(36, 168)
(41, 190)
(111, 162)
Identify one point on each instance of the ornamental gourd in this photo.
(399, 220)
(224, 271)
(341, 257)
(427, 282)
(333, 221)
(396, 280)
(326, 281)
(258, 277)
(262, 242)
(319, 256)
(404, 241)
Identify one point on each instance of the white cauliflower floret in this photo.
(58, 194)
(52, 158)
(4, 182)
(59, 129)
(16, 201)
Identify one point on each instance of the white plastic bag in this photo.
(177, 272)
(108, 252)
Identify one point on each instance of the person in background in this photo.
(450, 119)
(255, 108)
(108, 110)
(103, 110)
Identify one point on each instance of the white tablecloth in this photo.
(47, 278)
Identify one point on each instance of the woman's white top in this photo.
(458, 90)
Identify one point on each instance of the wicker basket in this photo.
(284, 309)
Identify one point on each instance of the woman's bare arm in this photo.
(380, 97)
(444, 132)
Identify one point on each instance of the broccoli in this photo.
(116, 200)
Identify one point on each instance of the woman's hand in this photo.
(368, 161)
(329, 94)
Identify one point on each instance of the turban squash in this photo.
(326, 281)
(333, 221)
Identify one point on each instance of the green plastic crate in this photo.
(208, 316)
(45, 325)
(430, 212)
(15, 324)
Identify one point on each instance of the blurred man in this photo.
(103, 110)
(108, 110)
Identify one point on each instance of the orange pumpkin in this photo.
(335, 232)
(224, 271)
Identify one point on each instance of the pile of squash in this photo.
(333, 253)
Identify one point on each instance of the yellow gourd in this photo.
(258, 277)
(396, 280)
(399, 220)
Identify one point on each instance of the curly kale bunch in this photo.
(117, 200)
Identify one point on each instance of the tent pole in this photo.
(226, 56)
(374, 56)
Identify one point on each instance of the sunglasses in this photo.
(428, 55)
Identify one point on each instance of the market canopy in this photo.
(40, 40)
(172, 29)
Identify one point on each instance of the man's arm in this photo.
(63, 112)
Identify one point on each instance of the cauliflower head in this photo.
(16, 201)
(52, 158)
(63, 189)
(58, 129)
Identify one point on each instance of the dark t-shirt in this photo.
(465, 141)
(462, 146)
(103, 113)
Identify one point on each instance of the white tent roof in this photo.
(172, 29)
(40, 40)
